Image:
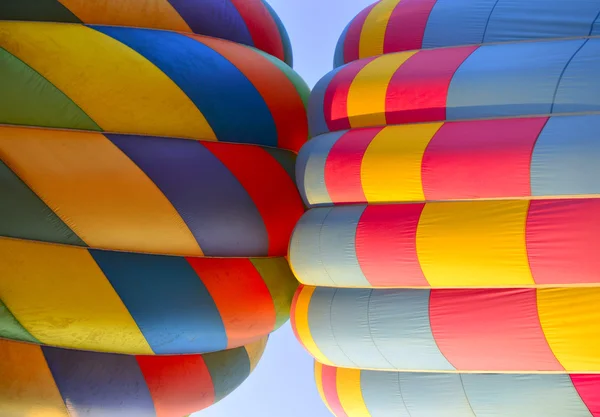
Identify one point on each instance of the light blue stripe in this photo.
(382, 394)
(426, 395)
(310, 169)
(538, 19)
(596, 28)
(498, 395)
(566, 157)
(338, 246)
(457, 22)
(316, 115)
(338, 57)
(304, 252)
(579, 88)
(509, 80)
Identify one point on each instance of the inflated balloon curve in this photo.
(449, 260)
(147, 198)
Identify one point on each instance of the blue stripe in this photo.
(94, 384)
(596, 27)
(509, 80)
(457, 22)
(310, 169)
(232, 105)
(579, 89)
(316, 114)
(167, 300)
(535, 19)
(565, 157)
(288, 55)
(215, 206)
(338, 57)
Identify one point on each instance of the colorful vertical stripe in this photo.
(404, 394)
(548, 330)
(389, 26)
(252, 23)
(200, 87)
(138, 303)
(64, 383)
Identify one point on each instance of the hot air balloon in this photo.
(147, 154)
(448, 260)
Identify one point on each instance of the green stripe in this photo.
(281, 283)
(228, 369)
(24, 215)
(36, 10)
(29, 99)
(286, 159)
(301, 86)
(10, 328)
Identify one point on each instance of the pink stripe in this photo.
(330, 391)
(491, 329)
(563, 237)
(352, 41)
(407, 25)
(418, 90)
(386, 245)
(480, 159)
(588, 387)
(343, 166)
(336, 95)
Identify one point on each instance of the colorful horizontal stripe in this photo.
(131, 303)
(404, 394)
(402, 25)
(503, 243)
(549, 330)
(68, 383)
(248, 22)
(142, 186)
(462, 83)
(150, 82)
(489, 159)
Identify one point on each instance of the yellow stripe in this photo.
(571, 322)
(255, 351)
(302, 325)
(117, 87)
(27, 388)
(478, 243)
(350, 392)
(391, 166)
(154, 14)
(319, 382)
(366, 97)
(372, 35)
(60, 295)
(96, 190)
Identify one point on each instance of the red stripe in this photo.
(386, 245)
(335, 103)
(563, 237)
(241, 296)
(266, 181)
(418, 90)
(343, 165)
(491, 329)
(263, 29)
(331, 392)
(406, 26)
(588, 387)
(481, 159)
(179, 385)
(352, 42)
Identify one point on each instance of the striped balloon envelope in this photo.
(50, 382)
(402, 25)
(147, 198)
(448, 257)
(247, 22)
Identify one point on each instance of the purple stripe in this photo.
(216, 18)
(214, 205)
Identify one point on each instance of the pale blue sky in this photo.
(282, 384)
